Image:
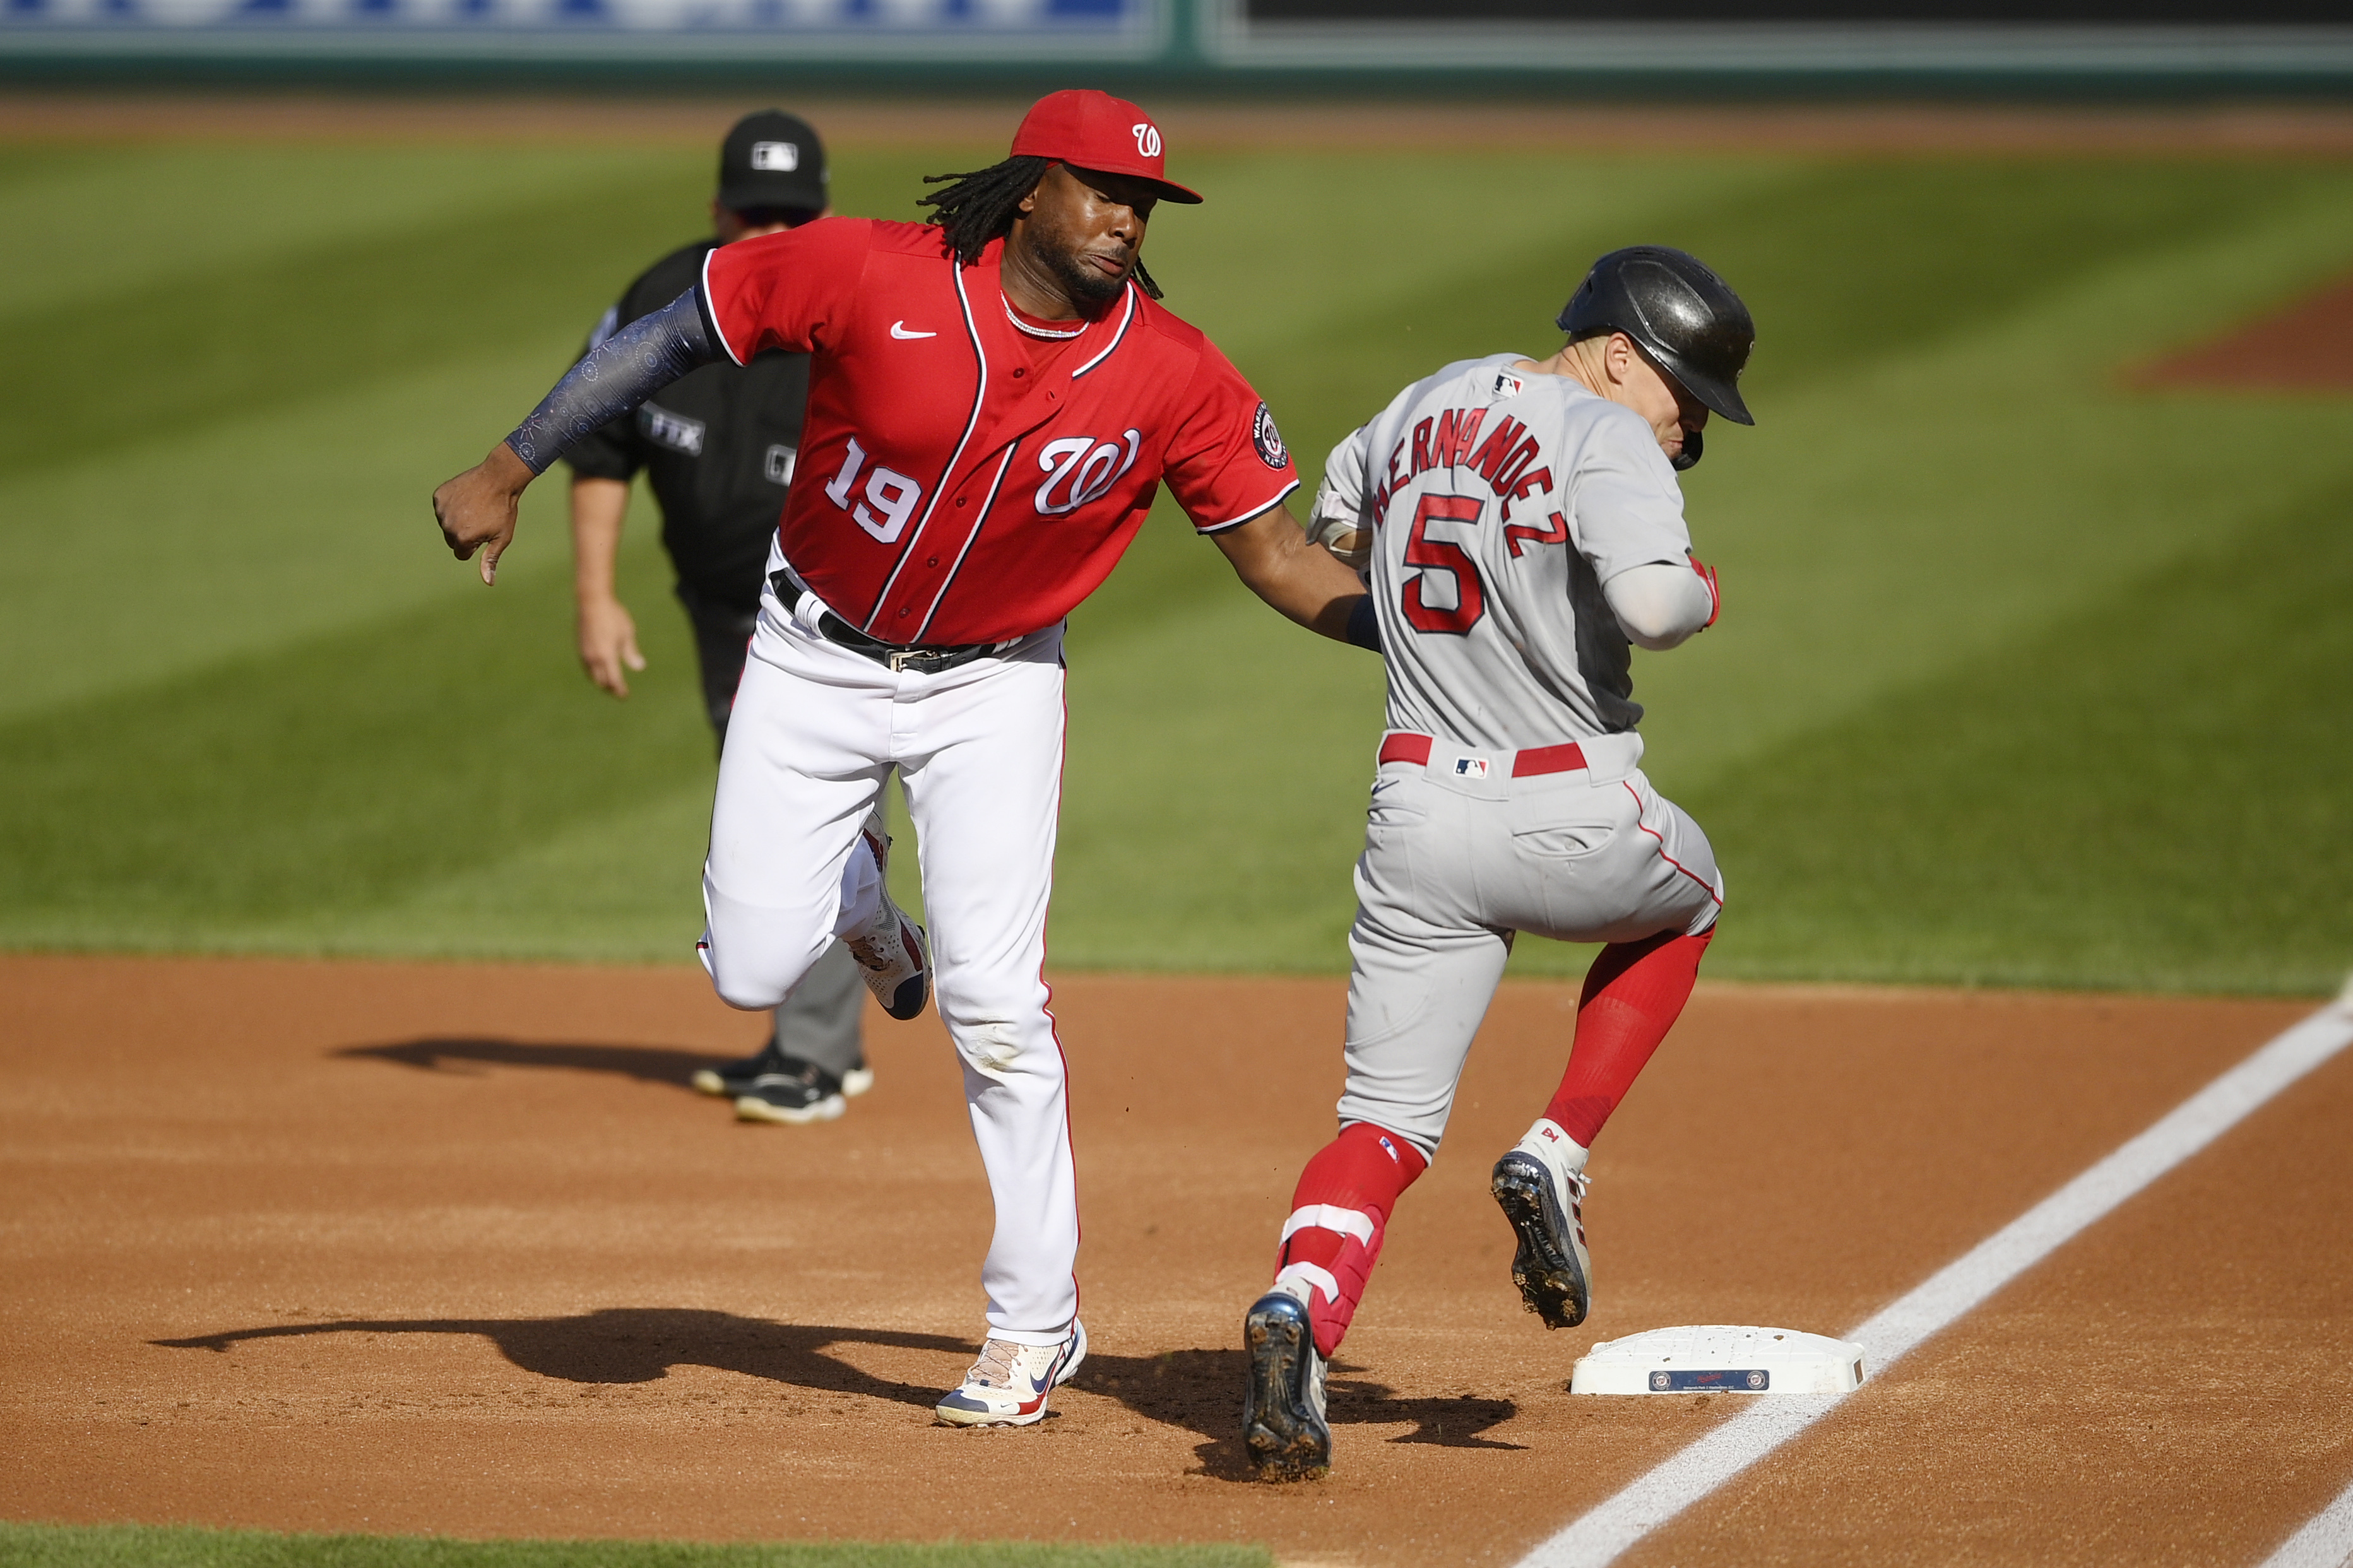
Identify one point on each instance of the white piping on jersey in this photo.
(1021, 326)
(1309, 1274)
(1263, 507)
(1126, 317)
(1328, 1216)
(980, 400)
(711, 315)
(956, 566)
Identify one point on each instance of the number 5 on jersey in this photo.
(1442, 555)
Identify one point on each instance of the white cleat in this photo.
(1008, 1385)
(890, 947)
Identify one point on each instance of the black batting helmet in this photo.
(1684, 315)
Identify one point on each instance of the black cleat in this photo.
(1552, 1269)
(1282, 1403)
(735, 1078)
(798, 1093)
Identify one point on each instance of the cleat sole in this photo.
(1286, 1442)
(1551, 1284)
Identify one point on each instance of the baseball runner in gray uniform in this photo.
(1520, 526)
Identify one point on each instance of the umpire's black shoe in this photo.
(733, 1079)
(1284, 1424)
(799, 1092)
(1544, 1204)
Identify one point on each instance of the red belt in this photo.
(1415, 749)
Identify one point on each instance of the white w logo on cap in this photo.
(1148, 138)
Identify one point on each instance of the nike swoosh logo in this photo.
(899, 329)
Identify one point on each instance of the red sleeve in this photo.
(782, 291)
(1225, 462)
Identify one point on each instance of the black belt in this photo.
(928, 658)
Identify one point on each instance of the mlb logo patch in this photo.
(776, 157)
(1508, 386)
(1470, 767)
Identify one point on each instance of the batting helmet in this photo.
(1684, 315)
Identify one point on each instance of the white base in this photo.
(1719, 1359)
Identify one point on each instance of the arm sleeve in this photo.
(1225, 462)
(1660, 604)
(606, 452)
(1625, 509)
(614, 377)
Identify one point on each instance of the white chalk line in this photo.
(2324, 1542)
(1684, 1479)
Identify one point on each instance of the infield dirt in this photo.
(454, 1249)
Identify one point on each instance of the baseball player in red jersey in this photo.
(994, 400)
(1522, 527)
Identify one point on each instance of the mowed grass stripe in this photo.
(78, 223)
(2150, 796)
(271, 797)
(183, 1546)
(254, 336)
(1219, 757)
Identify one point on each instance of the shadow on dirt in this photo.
(647, 1064)
(1197, 1391)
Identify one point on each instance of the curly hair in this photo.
(976, 207)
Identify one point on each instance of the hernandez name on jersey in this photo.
(1478, 544)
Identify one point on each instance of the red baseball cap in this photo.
(1095, 130)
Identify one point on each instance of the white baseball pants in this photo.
(817, 729)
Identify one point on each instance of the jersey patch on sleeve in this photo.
(1508, 386)
(1268, 440)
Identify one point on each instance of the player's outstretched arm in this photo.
(1275, 558)
(477, 509)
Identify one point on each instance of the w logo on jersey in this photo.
(1080, 469)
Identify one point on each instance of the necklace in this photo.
(1021, 326)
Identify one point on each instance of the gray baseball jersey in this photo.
(1510, 797)
(1500, 501)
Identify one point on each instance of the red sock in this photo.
(1633, 994)
(1340, 1211)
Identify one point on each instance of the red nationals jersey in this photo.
(961, 480)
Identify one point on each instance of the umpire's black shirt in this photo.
(717, 446)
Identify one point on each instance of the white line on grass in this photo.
(1684, 1479)
(2324, 1542)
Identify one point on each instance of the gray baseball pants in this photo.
(1460, 854)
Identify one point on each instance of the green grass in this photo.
(147, 1546)
(2025, 678)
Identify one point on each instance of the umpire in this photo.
(718, 450)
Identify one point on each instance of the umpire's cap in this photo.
(1684, 315)
(772, 160)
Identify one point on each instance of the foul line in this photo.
(2324, 1542)
(1682, 1479)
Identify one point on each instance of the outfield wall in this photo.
(2167, 47)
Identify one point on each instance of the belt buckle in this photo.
(899, 658)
